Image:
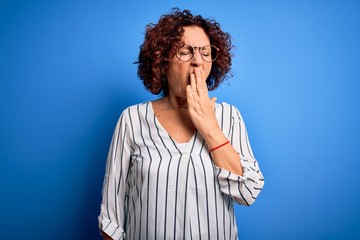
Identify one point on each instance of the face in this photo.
(178, 73)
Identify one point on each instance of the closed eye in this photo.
(185, 52)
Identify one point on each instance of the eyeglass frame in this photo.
(199, 48)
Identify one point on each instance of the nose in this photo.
(197, 59)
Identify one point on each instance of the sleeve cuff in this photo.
(111, 229)
(227, 175)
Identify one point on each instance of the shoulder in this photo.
(133, 112)
(228, 110)
(135, 109)
(226, 107)
(223, 105)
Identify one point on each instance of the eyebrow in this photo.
(196, 46)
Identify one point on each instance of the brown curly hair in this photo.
(162, 40)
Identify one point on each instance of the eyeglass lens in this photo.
(208, 53)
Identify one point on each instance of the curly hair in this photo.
(162, 40)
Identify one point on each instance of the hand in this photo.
(201, 107)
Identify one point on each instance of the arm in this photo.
(112, 215)
(243, 189)
(237, 170)
(201, 110)
(105, 236)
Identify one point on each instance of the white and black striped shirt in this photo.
(156, 188)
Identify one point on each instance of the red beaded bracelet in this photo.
(214, 148)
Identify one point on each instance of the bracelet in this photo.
(214, 148)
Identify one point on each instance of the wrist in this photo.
(219, 146)
(214, 137)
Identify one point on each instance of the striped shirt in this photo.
(156, 188)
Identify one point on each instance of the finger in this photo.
(192, 100)
(213, 101)
(200, 83)
(189, 95)
(198, 77)
(193, 83)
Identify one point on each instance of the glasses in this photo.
(208, 53)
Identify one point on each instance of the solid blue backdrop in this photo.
(67, 72)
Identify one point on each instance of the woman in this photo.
(177, 164)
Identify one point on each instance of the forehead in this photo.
(195, 36)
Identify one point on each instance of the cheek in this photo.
(207, 71)
(178, 68)
(177, 75)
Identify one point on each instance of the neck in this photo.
(176, 103)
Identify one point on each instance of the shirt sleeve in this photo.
(113, 206)
(243, 189)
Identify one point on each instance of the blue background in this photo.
(67, 72)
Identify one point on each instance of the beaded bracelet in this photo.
(214, 148)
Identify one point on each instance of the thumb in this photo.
(213, 100)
